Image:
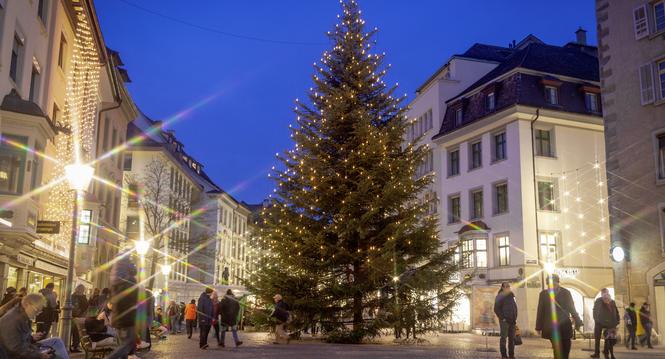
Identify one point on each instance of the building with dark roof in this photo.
(521, 180)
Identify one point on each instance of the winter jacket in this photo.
(605, 315)
(281, 312)
(16, 335)
(50, 312)
(80, 305)
(124, 293)
(645, 318)
(229, 308)
(7, 298)
(630, 317)
(9, 305)
(505, 307)
(190, 311)
(565, 308)
(204, 309)
(172, 310)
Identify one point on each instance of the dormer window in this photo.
(459, 116)
(490, 102)
(591, 101)
(552, 95)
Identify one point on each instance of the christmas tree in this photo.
(347, 235)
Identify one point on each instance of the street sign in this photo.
(48, 227)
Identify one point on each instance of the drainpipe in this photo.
(535, 198)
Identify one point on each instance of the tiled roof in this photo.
(14, 103)
(487, 52)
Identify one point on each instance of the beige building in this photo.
(632, 60)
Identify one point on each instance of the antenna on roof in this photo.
(511, 45)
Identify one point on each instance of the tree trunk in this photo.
(154, 258)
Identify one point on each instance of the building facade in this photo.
(522, 183)
(632, 60)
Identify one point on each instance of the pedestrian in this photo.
(181, 316)
(645, 318)
(215, 315)
(104, 297)
(79, 310)
(283, 318)
(605, 316)
(630, 319)
(190, 317)
(229, 308)
(50, 312)
(93, 303)
(505, 309)
(16, 300)
(557, 326)
(610, 341)
(124, 300)
(172, 312)
(17, 338)
(204, 311)
(10, 293)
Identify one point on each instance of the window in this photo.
(12, 164)
(105, 134)
(85, 227)
(62, 52)
(499, 146)
(504, 249)
(453, 162)
(454, 209)
(17, 53)
(548, 246)
(127, 163)
(56, 114)
(547, 195)
(476, 204)
(552, 95)
(132, 227)
(640, 22)
(544, 143)
(474, 252)
(132, 196)
(481, 252)
(41, 11)
(35, 166)
(459, 116)
(490, 102)
(661, 78)
(646, 84)
(34, 84)
(467, 253)
(591, 101)
(475, 160)
(659, 15)
(661, 156)
(501, 198)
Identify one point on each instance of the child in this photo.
(610, 341)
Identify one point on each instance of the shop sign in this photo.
(531, 261)
(567, 273)
(23, 259)
(48, 227)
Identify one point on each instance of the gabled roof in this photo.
(557, 60)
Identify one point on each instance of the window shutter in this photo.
(646, 84)
(641, 22)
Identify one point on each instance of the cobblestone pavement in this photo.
(259, 345)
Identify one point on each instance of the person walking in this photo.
(172, 312)
(630, 319)
(605, 316)
(229, 308)
(505, 309)
(79, 310)
(645, 318)
(561, 333)
(50, 312)
(124, 300)
(190, 317)
(181, 316)
(10, 293)
(215, 315)
(283, 317)
(204, 310)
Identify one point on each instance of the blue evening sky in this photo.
(173, 66)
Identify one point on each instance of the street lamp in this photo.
(142, 246)
(549, 268)
(166, 269)
(78, 177)
(618, 254)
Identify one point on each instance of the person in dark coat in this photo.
(205, 312)
(505, 309)
(283, 318)
(630, 319)
(50, 312)
(124, 299)
(559, 335)
(645, 318)
(605, 316)
(79, 310)
(10, 294)
(229, 308)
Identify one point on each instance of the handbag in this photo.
(518, 335)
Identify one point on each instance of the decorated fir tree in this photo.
(347, 235)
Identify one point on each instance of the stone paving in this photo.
(259, 345)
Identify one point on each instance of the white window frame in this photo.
(660, 76)
(555, 194)
(641, 22)
(490, 102)
(552, 95)
(557, 246)
(494, 146)
(452, 219)
(655, 23)
(500, 248)
(85, 227)
(472, 204)
(659, 157)
(591, 102)
(552, 146)
(472, 165)
(647, 88)
(459, 117)
(450, 162)
(495, 198)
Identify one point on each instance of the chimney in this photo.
(580, 34)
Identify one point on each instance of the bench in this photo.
(91, 351)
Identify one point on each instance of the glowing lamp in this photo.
(166, 269)
(618, 254)
(549, 267)
(79, 176)
(142, 247)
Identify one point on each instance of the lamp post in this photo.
(78, 177)
(142, 246)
